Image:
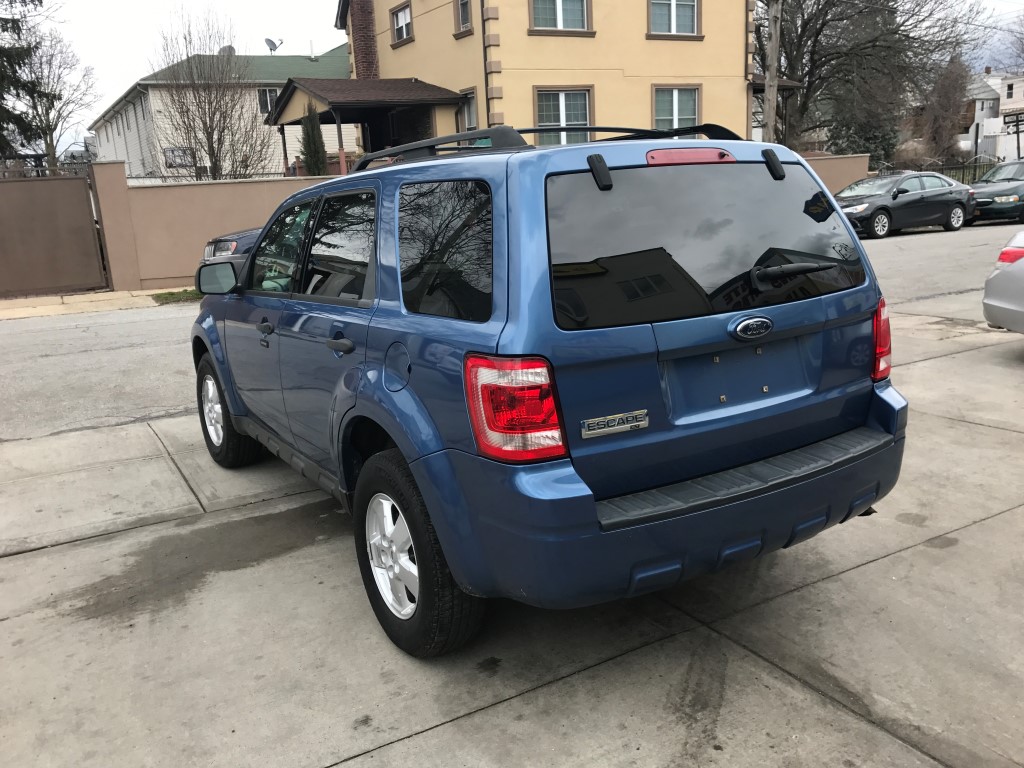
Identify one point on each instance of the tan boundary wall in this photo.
(154, 236)
(839, 171)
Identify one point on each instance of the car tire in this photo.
(878, 226)
(227, 446)
(955, 219)
(399, 554)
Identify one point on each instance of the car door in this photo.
(907, 209)
(254, 315)
(939, 197)
(323, 330)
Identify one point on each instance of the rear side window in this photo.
(674, 242)
(445, 249)
(341, 256)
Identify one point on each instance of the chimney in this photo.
(988, 70)
(361, 26)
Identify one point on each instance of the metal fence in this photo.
(154, 180)
(965, 174)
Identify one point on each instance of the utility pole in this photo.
(771, 75)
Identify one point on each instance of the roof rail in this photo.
(500, 136)
(711, 130)
(507, 137)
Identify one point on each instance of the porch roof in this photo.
(352, 100)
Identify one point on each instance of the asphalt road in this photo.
(63, 374)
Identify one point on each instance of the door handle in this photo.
(342, 345)
(265, 328)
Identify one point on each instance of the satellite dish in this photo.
(272, 45)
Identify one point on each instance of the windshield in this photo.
(674, 242)
(875, 186)
(1010, 172)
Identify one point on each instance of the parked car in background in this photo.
(233, 247)
(1003, 302)
(1000, 193)
(880, 205)
(557, 374)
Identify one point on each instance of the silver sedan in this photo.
(1004, 289)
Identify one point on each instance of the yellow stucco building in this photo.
(565, 63)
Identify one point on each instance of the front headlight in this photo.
(1007, 199)
(856, 208)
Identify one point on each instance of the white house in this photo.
(135, 127)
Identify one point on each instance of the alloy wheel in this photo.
(392, 556)
(213, 411)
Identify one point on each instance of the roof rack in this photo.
(508, 138)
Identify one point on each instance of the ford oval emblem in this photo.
(753, 328)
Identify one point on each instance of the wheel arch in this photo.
(207, 340)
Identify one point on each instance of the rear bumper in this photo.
(532, 533)
(1003, 303)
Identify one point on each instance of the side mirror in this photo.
(900, 191)
(216, 279)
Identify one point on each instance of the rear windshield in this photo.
(673, 242)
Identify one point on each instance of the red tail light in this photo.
(1011, 255)
(512, 408)
(688, 156)
(883, 343)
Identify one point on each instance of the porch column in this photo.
(342, 164)
(284, 148)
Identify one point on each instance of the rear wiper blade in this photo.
(760, 275)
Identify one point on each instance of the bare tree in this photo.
(884, 54)
(66, 90)
(209, 101)
(943, 117)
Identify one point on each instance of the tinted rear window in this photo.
(674, 242)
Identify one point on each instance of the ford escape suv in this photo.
(557, 374)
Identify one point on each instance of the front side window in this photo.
(445, 249)
(267, 99)
(559, 14)
(913, 184)
(674, 17)
(276, 261)
(1009, 91)
(683, 241)
(675, 108)
(401, 23)
(565, 109)
(341, 255)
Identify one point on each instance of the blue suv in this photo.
(557, 374)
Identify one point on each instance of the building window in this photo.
(565, 109)
(179, 157)
(1009, 91)
(466, 118)
(673, 17)
(560, 14)
(401, 24)
(267, 97)
(675, 108)
(463, 16)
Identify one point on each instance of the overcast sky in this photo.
(120, 39)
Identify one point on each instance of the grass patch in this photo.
(177, 297)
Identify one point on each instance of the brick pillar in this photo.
(361, 26)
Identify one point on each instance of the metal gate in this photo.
(49, 237)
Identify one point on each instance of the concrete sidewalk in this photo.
(74, 486)
(76, 303)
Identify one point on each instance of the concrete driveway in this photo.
(156, 610)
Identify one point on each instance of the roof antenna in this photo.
(312, 56)
(272, 45)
